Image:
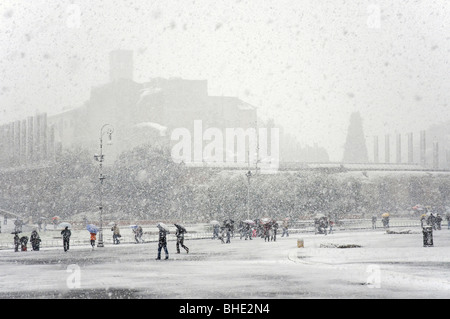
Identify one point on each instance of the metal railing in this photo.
(294, 228)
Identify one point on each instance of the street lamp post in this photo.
(108, 129)
(249, 174)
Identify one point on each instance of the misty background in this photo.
(306, 64)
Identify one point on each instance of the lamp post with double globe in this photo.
(106, 129)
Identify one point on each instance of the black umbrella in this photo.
(180, 227)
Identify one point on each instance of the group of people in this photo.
(22, 242)
(162, 240)
(431, 219)
(248, 229)
(323, 225)
(226, 230)
(384, 221)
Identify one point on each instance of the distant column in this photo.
(12, 147)
(447, 158)
(423, 159)
(43, 139)
(17, 145)
(410, 148)
(30, 139)
(36, 138)
(3, 145)
(23, 142)
(399, 149)
(9, 144)
(375, 149)
(435, 155)
(387, 155)
(51, 143)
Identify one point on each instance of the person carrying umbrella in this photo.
(138, 232)
(275, 229)
(162, 242)
(285, 226)
(66, 233)
(23, 242)
(180, 238)
(16, 241)
(216, 228)
(93, 239)
(116, 234)
(35, 240)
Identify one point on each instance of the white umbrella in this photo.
(214, 222)
(64, 225)
(162, 226)
(249, 221)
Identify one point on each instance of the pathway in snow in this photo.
(385, 266)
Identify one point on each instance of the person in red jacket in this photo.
(93, 239)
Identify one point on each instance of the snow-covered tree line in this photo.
(145, 184)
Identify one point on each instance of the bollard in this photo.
(300, 243)
(427, 236)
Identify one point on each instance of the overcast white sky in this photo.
(307, 64)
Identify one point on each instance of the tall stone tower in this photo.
(355, 150)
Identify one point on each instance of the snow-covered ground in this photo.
(385, 266)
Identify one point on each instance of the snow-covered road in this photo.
(385, 266)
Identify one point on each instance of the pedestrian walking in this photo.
(248, 232)
(23, 243)
(162, 242)
(66, 233)
(222, 234)
(138, 232)
(116, 234)
(374, 222)
(228, 230)
(438, 221)
(93, 239)
(267, 232)
(285, 228)
(216, 229)
(35, 240)
(275, 229)
(180, 238)
(16, 242)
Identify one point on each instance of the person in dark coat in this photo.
(23, 242)
(138, 232)
(162, 243)
(116, 234)
(438, 221)
(374, 222)
(275, 229)
(285, 228)
(216, 229)
(66, 233)
(35, 240)
(222, 234)
(16, 242)
(228, 230)
(180, 238)
(248, 232)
